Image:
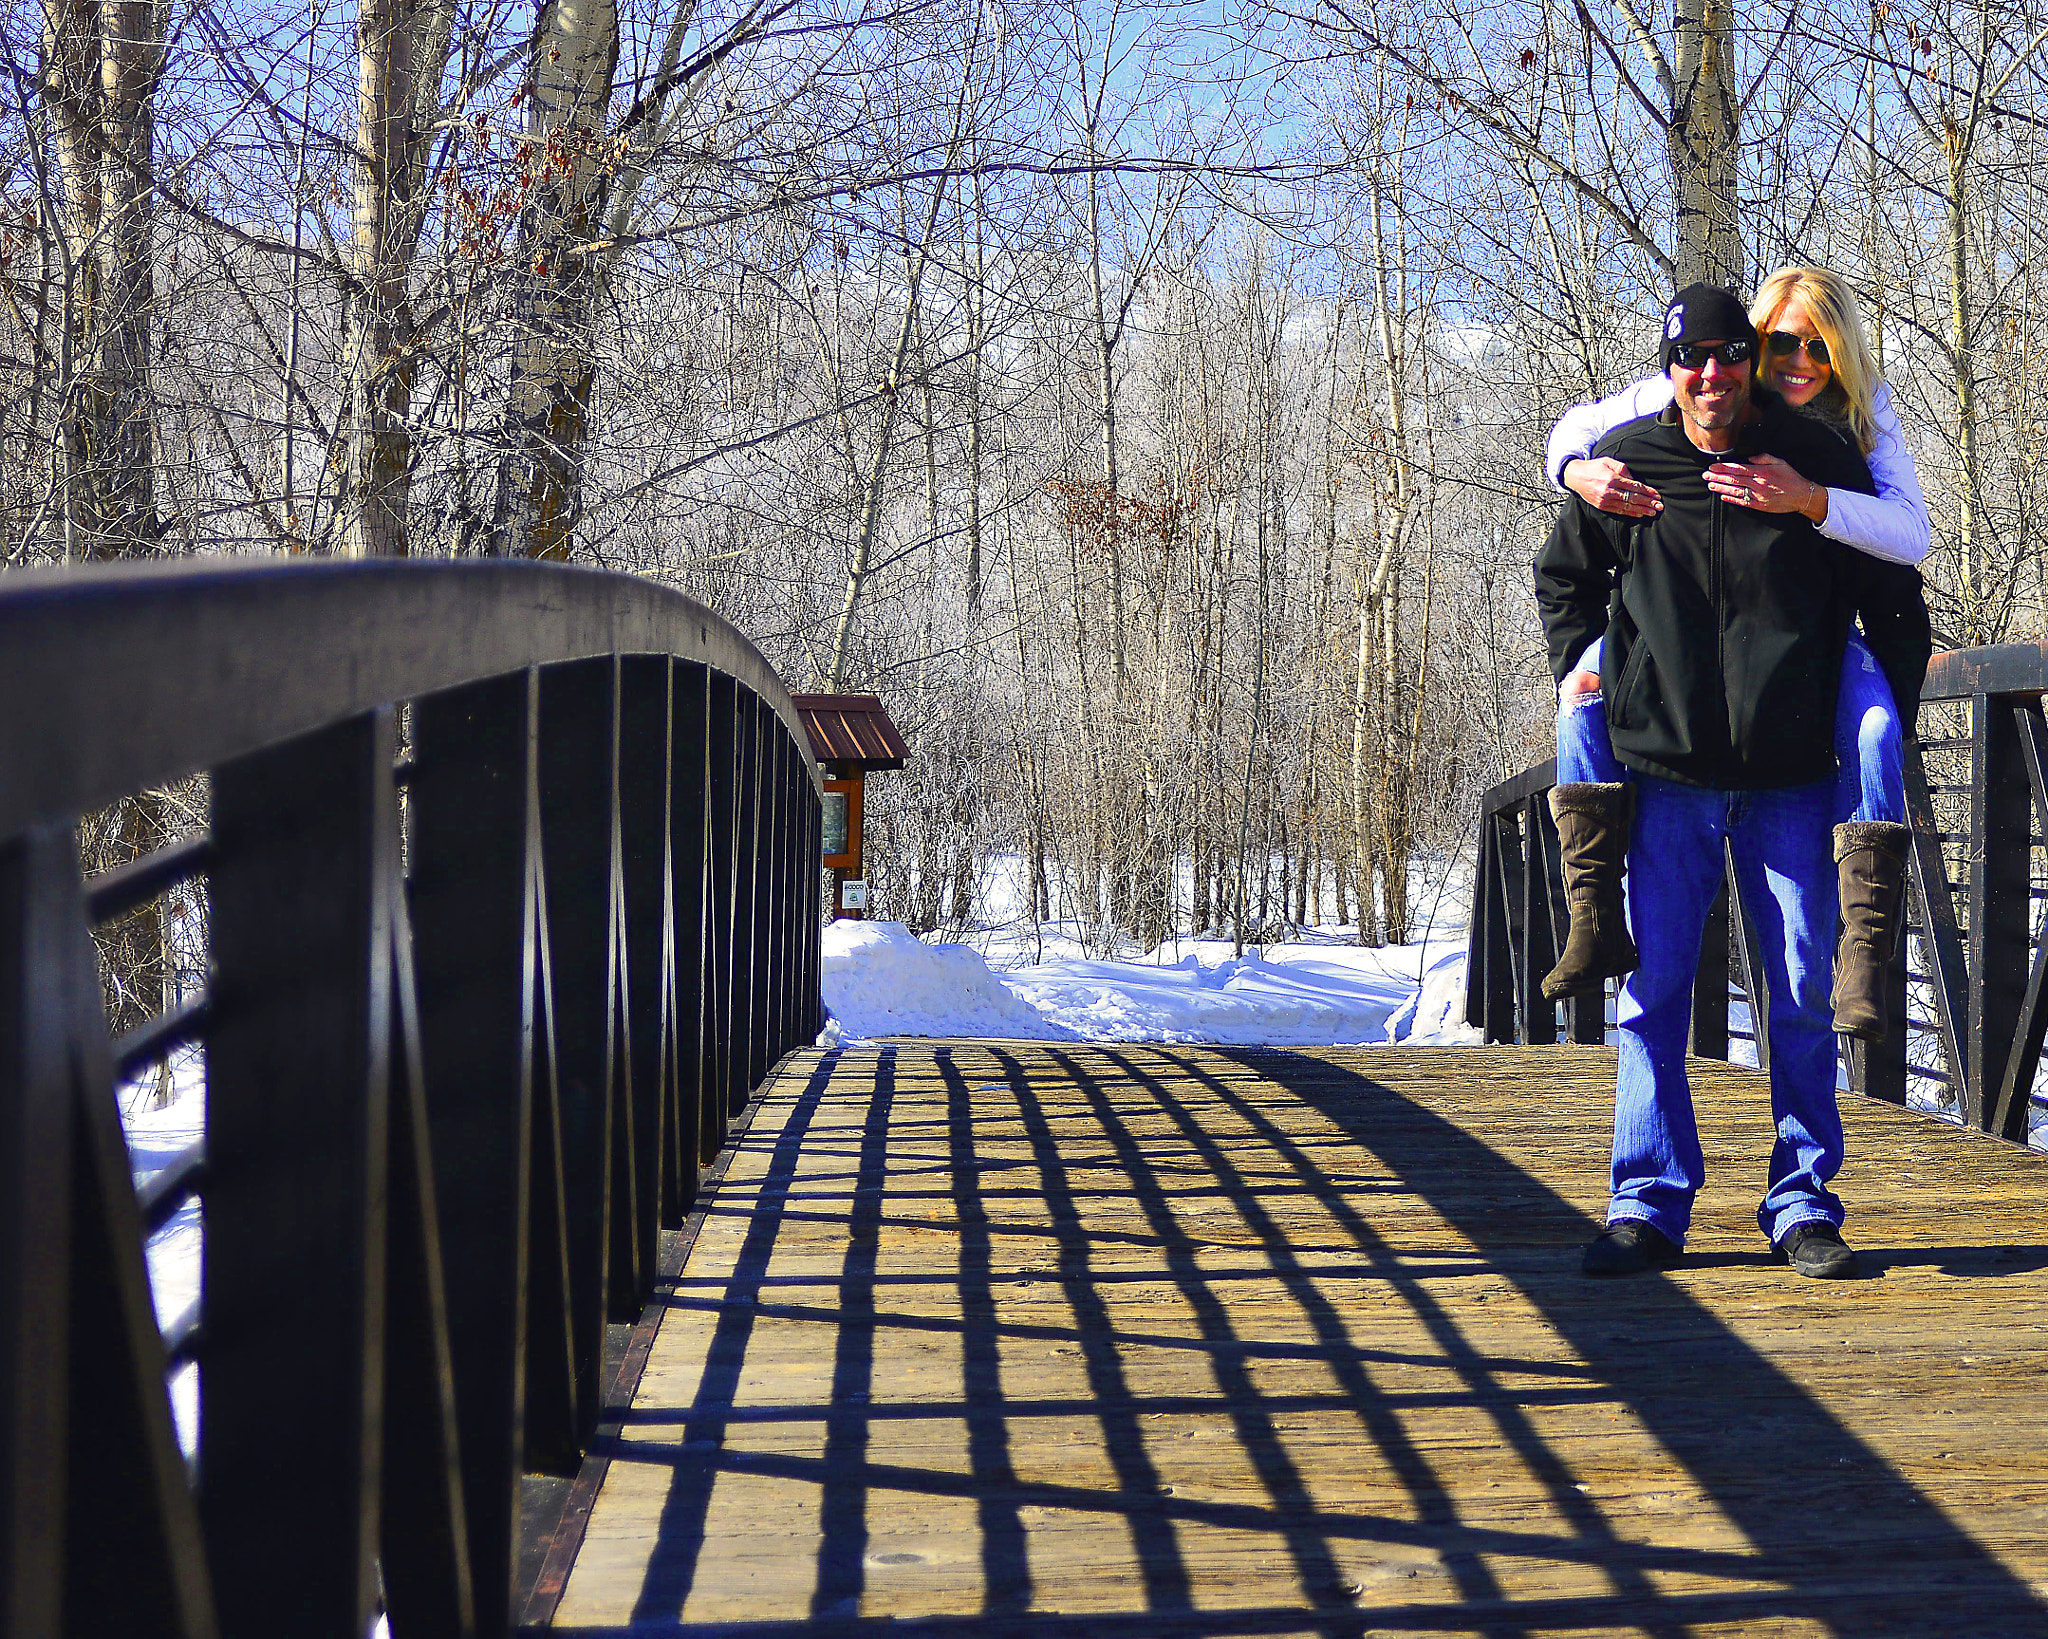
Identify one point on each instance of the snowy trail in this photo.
(880, 979)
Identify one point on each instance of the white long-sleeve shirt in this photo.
(1892, 524)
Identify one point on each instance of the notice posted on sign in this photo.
(853, 895)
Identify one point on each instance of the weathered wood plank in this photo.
(1069, 1341)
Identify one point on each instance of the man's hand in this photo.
(1605, 484)
(1768, 484)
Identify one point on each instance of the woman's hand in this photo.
(1605, 484)
(1768, 484)
(1576, 684)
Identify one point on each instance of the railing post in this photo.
(1710, 979)
(579, 729)
(746, 863)
(1539, 951)
(646, 736)
(1499, 978)
(688, 813)
(297, 1119)
(1509, 857)
(475, 857)
(36, 1125)
(782, 983)
(1476, 928)
(774, 1042)
(2016, 1085)
(767, 877)
(793, 781)
(98, 1533)
(2000, 812)
(811, 907)
(720, 869)
(1756, 989)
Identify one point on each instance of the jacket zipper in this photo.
(1715, 548)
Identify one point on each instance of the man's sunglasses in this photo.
(1693, 355)
(1784, 344)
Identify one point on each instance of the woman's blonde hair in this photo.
(1852, 390)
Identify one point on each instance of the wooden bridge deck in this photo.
(1135, 1342)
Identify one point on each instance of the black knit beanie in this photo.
(1705, 312)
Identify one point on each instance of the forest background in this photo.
(1145, 399)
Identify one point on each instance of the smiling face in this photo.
(1712, 399)
(1797, 377)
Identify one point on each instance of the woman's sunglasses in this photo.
(1784, 344)
(1693, 355)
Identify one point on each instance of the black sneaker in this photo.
(1628, 1247)
(1816, 1250)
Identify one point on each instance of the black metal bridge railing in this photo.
(509, 899)
(1969, 982)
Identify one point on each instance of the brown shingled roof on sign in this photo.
(850, 728)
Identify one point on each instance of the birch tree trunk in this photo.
(1395, 494)
(1951, 119)
(586, 181)
(1106, 337)
(131, 64)
(575, 54)
(102, 60)
(402, 51)
(1701, 143)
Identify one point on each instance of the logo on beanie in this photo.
(1674, 324)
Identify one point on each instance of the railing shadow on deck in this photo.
(1812, 1501)
(1969, 985)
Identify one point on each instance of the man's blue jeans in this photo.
(1784, 862)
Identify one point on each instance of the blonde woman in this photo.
(1815, 357)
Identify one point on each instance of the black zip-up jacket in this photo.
(1724, 625)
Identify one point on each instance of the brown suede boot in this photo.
(1870, 867)
(1593, 822)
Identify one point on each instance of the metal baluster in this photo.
(36, 1126)
(689, 811)
(98, 1532)
(1710, 978)
(721, 860)
(1539, 951)
(474, 851)
(1999, 937)
(423, 1544)
(646, 739)
(579, 807)
(1508, 860)
(2016, 1084)
(297, 1134)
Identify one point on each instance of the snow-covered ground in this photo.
(880, 979)
(1010, 975)
(155, 1138)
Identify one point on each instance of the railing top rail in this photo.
(1519, 787)
(2000, 668)
(145, 673)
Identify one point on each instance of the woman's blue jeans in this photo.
(1784, 864)
(1869, 785)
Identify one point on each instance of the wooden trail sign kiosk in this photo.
(850, 735)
